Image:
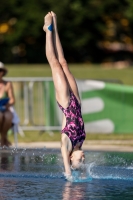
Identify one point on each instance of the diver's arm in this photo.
(65, 155)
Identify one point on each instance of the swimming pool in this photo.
(37, 174)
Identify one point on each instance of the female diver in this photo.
(67, 96)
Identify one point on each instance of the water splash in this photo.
(109, 172)
(37, 163)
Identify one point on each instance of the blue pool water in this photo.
(38, 174)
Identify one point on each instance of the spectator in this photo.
(6, 116)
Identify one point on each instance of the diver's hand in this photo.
(68, 177)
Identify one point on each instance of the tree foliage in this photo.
(87, 28)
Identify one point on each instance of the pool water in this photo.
(37, 174)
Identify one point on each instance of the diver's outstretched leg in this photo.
(59, 79)
(60, 56)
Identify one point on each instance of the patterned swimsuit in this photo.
(74, 128)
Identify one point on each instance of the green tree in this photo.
(87, 28)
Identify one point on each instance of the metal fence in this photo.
(33, 103)
(38, 111)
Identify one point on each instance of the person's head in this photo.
(77, 160)
(3, 70)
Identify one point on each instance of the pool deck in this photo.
(92, 145)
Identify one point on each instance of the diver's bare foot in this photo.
(47, 22)
(54, 20)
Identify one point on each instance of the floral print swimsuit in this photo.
(74, 128)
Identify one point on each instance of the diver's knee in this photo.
(63, 63)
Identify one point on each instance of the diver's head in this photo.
(77, 160)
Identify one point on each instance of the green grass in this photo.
(34, 136)
(80, 71)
